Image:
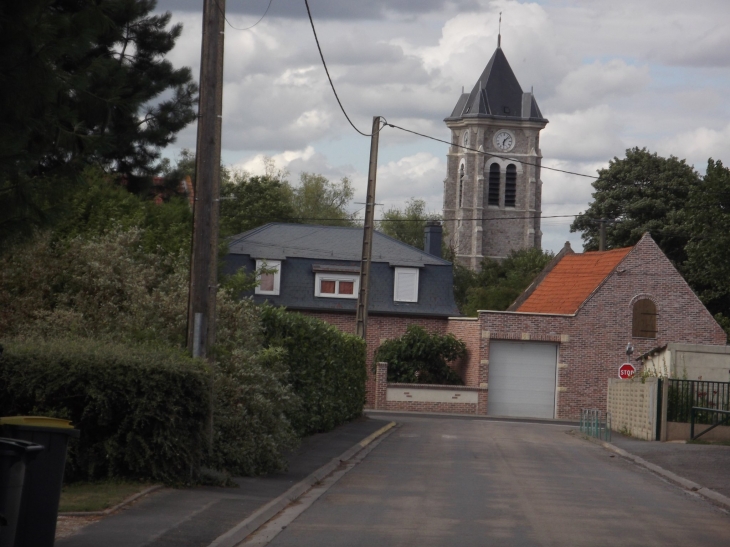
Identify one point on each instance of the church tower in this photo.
(493, 197)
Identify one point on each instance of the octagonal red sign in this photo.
(626, 371)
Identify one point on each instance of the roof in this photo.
(278, 241)
(571, 280)
(497, 93)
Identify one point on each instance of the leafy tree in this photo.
(418, 357)
(318, 201)
(499, 283)
(249, 202)
(642, 192)
(407, 225)
(708, 220)
(83, 82)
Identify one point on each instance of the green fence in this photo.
(595, 423)
(682, 395)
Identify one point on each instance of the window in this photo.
(644, 320)
(510, 187)
(406, 285)
(268, 282)
(461, 184)
(493, 190)
(466, 138)
(336, 285)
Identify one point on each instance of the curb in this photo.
(711, 495)
(118, 506)
(246, 527)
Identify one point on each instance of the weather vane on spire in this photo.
(499, 35)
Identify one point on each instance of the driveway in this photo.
(453, 482)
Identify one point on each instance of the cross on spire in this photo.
(499, 34)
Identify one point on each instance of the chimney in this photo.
(432, 238)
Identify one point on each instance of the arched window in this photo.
(466, 138)
(461, 185)
(510, 186)
(644, 320)
(493, 190)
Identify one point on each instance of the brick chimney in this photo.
(432, 234)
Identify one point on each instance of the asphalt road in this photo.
(448, 482)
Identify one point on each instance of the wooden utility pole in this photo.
(367, 235)
(602, 236)
(204, 261)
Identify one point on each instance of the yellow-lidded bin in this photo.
(43, 475)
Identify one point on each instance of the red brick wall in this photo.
(467, 330)
(594, 341)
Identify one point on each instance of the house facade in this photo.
(315, 270)
(551, 354)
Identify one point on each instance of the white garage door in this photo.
(522, 379)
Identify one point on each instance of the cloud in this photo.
(418, 176)
(698, 145)
(595, 83)
(590, 134)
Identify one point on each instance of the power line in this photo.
(245, 28)
(332, 85)
(489, 153)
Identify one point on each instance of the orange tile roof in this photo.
(571, 281)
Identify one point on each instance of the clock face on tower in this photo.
(503, 140)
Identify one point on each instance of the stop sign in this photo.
(626, 371)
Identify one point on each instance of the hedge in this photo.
(141, 411)
(326, 369)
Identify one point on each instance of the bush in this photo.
(141, 411)
(326, 368)
(418, 357)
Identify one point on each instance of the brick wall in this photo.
(632, 405)
(467, 330)
(445, 399)
(592, 343)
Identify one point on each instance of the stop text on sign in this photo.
(626, 371)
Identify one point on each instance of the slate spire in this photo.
(497, 94)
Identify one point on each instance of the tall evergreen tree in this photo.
(83, 81)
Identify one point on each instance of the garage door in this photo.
(522, 379)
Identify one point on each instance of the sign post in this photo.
(626, 371)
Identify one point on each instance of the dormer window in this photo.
(406, 285)
(336, 285)
(269, 278)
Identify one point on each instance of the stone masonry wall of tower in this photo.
(492, 203)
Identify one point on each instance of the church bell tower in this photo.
(493, 192)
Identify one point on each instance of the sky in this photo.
(607, 74)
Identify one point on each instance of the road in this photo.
(457, 482)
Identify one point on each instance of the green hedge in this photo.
(141, 411)
(326, 368)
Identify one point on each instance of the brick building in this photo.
(552, 353)
(492, 190)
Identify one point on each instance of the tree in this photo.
(407, 225)
(708, 221)
(318, 201)
(642, 192)
(249, 202)
(418, 357)
(499, 283)
(83, 82)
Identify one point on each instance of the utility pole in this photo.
(204, 260)
(367, 236)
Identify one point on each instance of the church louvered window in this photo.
(493, 189)
(644, 319)
(461, 185)
(510, 186)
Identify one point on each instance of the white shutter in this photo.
(406, 285)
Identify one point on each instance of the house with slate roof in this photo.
(551, 354)
(315, 270)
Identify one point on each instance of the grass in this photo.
(97, 496)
